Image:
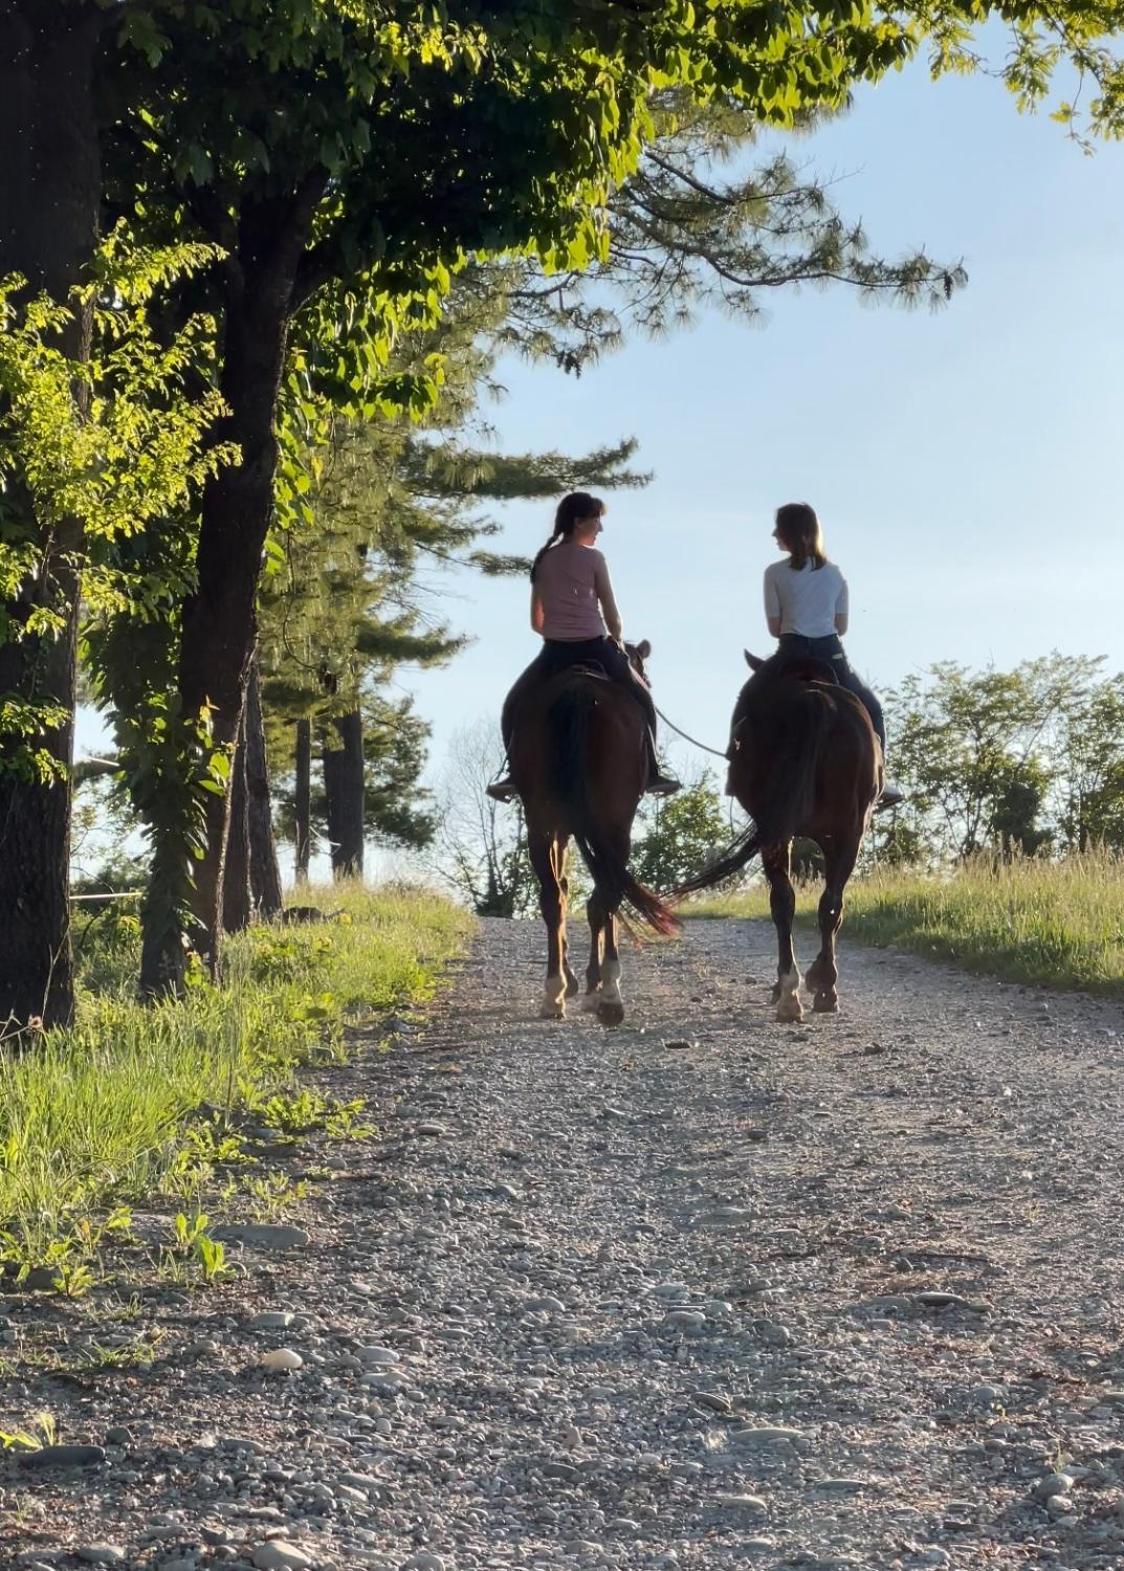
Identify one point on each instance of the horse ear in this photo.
(754, 662)
(643, 649)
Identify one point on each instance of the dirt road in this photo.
(700, 1292)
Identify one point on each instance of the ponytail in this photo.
(573, 510)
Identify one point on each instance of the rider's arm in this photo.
(538, 610)
(604, 587)
(773, 616)
(842, 608)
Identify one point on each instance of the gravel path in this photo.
(701, 1292)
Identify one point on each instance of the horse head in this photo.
(637, 654)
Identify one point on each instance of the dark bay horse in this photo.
(579, 762)
(805, 761)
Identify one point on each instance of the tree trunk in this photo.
(236, 903)
(219, 623)
(302, 800)
(265, 876)
(50, 184)
(344, 789)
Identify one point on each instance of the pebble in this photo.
(1053, 1484)
(685, 1319)
(1060, 1505)
(381, 1357)
(753, 1503)
(671, 1290)
(277, 1554)
(100, 1554)
(725, 1216)
(424, 1560)
(554, 1306)
(433, 1130)
(766, 1437)
(716, 1400)
(119, 1436)
(263, 1235)
(281, 1359)
(272, 1320)
(62, 1456)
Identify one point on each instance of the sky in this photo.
(966, 464)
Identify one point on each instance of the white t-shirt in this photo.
(808, 600)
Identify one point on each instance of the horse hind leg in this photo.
(572, 986)
(595, 911)
(775, 861)
(610, 1008)
(546, 860)
(823, 975)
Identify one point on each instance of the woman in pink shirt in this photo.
(573, 609)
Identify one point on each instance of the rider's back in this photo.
(567, 583)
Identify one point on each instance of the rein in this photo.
(694, 741)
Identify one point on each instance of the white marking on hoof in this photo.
(553, 999)
(789, 1007)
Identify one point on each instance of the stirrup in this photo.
(502, 790)
(662, 785)
(890, 797)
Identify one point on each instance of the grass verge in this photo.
(138, 1102)
(1048, 924)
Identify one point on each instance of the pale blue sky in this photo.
(966, 465)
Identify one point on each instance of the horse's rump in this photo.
(805, 763)
(578, 730)
(579, 761)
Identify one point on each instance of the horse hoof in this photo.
(790, 1011)
(610, 1014)
(826, 1003)
(553, 1011)
(591, 1003)
(573, 987)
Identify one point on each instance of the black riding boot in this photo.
(659, 784)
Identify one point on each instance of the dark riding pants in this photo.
(793, 647)
(558, 655)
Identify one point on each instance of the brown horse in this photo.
(805, 761)
(579, 762)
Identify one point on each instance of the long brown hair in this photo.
(798, 530)
(572, 510)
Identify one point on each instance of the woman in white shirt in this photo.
(807, 611)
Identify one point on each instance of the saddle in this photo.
(808, 669)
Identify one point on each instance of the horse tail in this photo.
(733, 859)
(568, 730)
(787, 797)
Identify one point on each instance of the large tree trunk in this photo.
(219, 625)
(237, 906)
(302, 799)
(50, 182)
(265, 875)
(344, 789)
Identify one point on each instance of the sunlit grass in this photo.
(1050, 924)
(136, 1101)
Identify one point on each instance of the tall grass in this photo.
(135, 1101)
(1049, 924)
